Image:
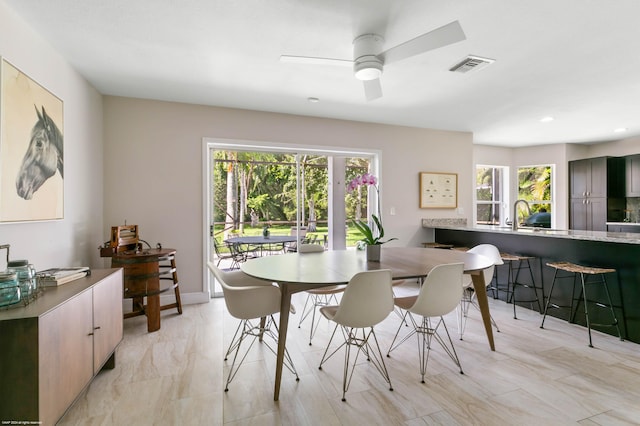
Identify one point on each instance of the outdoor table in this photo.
(262, 241)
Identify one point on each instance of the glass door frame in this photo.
(216, 144)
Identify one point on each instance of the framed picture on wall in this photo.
(438, 190)
(31, 149)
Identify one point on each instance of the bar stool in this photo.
(438, 245)
(516, 264)
(168, 272)
(573, 270)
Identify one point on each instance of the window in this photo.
(490, 194)
(534, 186)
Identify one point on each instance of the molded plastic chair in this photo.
(249, 298)
(367, 300)
(317, 297)
(469, 295)
(440, 294)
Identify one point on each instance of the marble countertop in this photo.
(612, 237)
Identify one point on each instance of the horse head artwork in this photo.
(43, 157)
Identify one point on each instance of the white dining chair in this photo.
(248, 299)
(317, 297)
(439, 295)
(367, 300)
(469, 295)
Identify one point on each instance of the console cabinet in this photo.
(52, 348)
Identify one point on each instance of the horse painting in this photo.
(43, 157)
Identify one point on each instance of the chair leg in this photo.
(234, 341)
(310, 307)
(247, 330)
(325, 357)
(305, 312)
(246, 327)
(364, 345)
(462, 312)
(426, 334)
(493, 322)
(393, 344)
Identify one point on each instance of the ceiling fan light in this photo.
(369, 70)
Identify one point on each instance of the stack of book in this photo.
(58, 276)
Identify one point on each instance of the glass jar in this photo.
(26, 276)
(9, 288)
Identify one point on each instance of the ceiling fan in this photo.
(369, 58)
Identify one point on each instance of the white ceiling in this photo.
(575, 60)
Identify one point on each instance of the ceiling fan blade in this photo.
(310, 60)
(372, 89)
(440, 37)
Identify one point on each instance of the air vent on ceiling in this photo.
(471, 63)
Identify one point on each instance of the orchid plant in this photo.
(372, 234)
(369, 236)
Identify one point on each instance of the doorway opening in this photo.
(283, 190)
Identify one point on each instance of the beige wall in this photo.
(616, 149)
(153, 158)
(530, 156)
(72, 241)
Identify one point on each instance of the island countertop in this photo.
(609, 237)
(616, 250)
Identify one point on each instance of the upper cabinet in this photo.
(633, 175)
(596, 187)
(599, 177)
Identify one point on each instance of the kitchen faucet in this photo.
(514, 223)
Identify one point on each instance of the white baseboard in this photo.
(166, 299)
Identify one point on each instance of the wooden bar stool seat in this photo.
(588, 275)
(437, 245)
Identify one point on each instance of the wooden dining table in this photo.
(297, 272)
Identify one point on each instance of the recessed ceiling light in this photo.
(313, 100)
(620, 130)
(546, 119)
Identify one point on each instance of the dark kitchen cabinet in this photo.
(589, 213)
(596, 188)
(633, 175)
(624, 228)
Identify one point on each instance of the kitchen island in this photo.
(593, 248)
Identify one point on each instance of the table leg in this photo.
(285, 304)
(263, 322)
(481, 294)
(153, 313)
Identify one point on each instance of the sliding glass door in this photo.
(253, 188)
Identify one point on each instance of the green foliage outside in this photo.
(262, 186)
(534, 185)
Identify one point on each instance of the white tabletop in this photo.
(339, 266)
